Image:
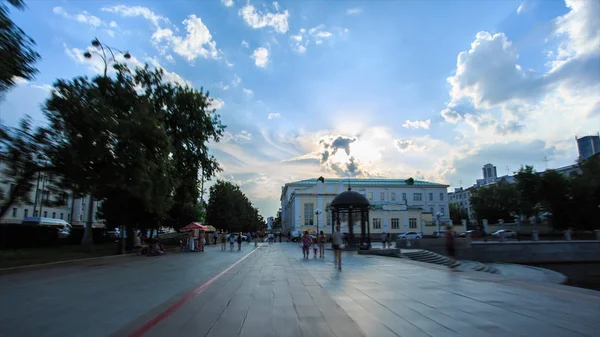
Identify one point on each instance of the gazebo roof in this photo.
(350, 198)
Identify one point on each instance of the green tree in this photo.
(495, 202)
(457, 213)
(229, 209)
(555, 197)
(17, 54)
(585, 195)
(527, 186)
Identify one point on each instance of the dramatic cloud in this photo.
(274, 115)
(417, 124)
(261, 57)
(198, 41)
(256, 19)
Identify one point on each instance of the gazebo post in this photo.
(368, 229)
(363, 233)
(351, 225)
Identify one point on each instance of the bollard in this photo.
(469, 238)
(567, 235)
(597, 234)
(408, 243)
(535, 236)
(501, 237)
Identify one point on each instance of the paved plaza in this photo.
(272, 291)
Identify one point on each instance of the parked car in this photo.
(462, 235)
(507, 233)
(410, 236)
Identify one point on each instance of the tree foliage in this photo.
(136, 142)
(17, 54)
(229, 209)
(568, 201)
(23, 151)
(457, 213)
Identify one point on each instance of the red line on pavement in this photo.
(170, 310)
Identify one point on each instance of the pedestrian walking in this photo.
(315, 247)
(306, 240)
(383, 240)
(389, 240)
(216, 236)
(450, 246)
(337, 239)
(231, 241)
(321, 245)
(239, 241)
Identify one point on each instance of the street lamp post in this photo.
(107, 54)
(317, 213)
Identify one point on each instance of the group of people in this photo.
(318, 244)
(222, 237)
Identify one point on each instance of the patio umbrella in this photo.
(193, 226)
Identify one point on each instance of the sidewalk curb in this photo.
(67, 262)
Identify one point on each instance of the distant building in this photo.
(270, 223)
(396, 206)
(588, 146)
(461, 197)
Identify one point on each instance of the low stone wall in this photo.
(395, 252)
(438, 245)
(536, 251)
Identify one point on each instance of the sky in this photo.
(426, 89)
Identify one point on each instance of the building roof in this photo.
(350, 198)
(367, 182)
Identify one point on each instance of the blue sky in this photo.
(424, 89)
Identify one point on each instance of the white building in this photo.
(397, 206)
(74, 211)
(270, 223)
(461, 197)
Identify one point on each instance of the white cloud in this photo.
(277, 20)
(404, 145)
(44, 87)
(227, 3)
(451, 116)
(113, 24)
(248, 92)
(83, 17)
(233, 84)
(261, 57)
(274, 115)
(354, 11)
(305, 37)
(169, 76)
(245, 44)
(217, 104)
(170, 58)
(241, 137)
(417, 124)
(133, 11)
(19, 80)
(197, 43)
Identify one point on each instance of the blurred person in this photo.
(337, 240)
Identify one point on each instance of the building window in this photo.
(45, 214)
(412, 223)
(417, 197)
(395, 223)
(61, 216)
(370, 195)
(403, 196)
(53, 215)
(376, 223)
(393, 196)
(442, 209)
(329, 216)
(441, 196)
(382, 196)
(14, 213)
(25, 213)
(430, 196)
(309, 215)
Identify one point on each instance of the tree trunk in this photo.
(88, 239)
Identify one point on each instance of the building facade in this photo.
(45, 202)
(270, 223)
(397, 206)
(588, 146)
